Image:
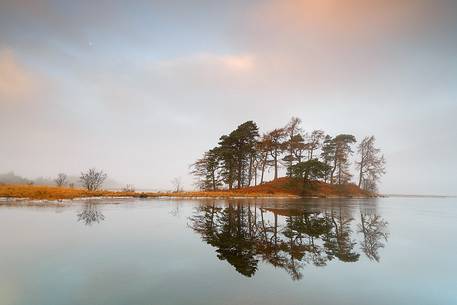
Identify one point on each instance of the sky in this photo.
(141, 89)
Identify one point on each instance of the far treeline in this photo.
(242, 157)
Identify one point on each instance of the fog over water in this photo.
(142, 90)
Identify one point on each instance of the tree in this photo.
(61, 180)
(309, 170)
(244, 140)
(294, 140)
(314, 142)
(93, 179)
(263, 152)
(129, 188)
(342, 151)
(256, 165)
(228, 164)
(328, 154)
(300, 147)
(336, 152)
(236, 152)
(274, 142)
(371, 164)
(206, 169)
(177, 184)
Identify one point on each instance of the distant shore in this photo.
(280, 188)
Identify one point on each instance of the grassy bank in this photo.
(282, 187)
(59, 193)
(310, 189)
(52, 193)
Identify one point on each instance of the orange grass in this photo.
(52, 193)
(296, 187)
(282, 187)
(37, 192)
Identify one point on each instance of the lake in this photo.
(239, 251)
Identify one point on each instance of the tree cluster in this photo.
(242, 157)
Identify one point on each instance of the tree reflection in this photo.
(339, 242)
(90, 214)
(230, 231)
(290, 239)
(373, 228)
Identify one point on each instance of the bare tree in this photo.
(177, 184)
(61, 180)
(371, 164)
(129, 188)
(93, 179)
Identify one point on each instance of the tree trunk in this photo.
(240, 172)
(339, 173)
(230, 180)
(333, 171)
(214, 181)
(276, 165)
(361, 168)
(360, 175)
(291, 161)
(263, 171)
(249, 220)
(250, 170)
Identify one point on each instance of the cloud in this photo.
(359, 19)
(225, 64)
(16, 83)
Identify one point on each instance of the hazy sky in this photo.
(142, 89)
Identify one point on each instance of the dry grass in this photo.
(36, 192)
(312, 189)
(282, 187)
(52, 193)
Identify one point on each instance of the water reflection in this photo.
(288, 238)
(90, 214)
(373, 228)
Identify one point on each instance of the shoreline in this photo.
(21, 193)
(21, 201)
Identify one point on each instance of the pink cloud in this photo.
(15, 81)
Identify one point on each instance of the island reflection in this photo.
(288, 238)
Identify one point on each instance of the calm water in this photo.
(380, 251)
